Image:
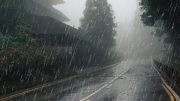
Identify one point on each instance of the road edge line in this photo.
(168, 92)
(30, 90)
(104, 86)
(175, 96)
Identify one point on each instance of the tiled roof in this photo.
(45, 8)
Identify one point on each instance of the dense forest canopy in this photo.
(98, 23)
(167, 12)
(12, 16)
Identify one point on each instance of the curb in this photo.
(30, 90)
(40, 87)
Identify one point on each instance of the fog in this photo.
(133, 38)
(51, 50)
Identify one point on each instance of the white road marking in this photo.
(109, 86)
(86, 98)
(105, 86)
(124, 77)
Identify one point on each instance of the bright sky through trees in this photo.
(124, 10)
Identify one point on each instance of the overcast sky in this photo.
(123, 10)
(133, 38)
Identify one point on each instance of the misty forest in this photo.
(89, 50)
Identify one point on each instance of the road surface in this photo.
(130, 80)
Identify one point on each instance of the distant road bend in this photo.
(130, 80)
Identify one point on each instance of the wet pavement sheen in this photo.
(131, 80)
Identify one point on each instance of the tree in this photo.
(12, 13)
(98, 24)
(167, 11)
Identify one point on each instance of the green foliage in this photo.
(166, 10)
(14, 27)
(11, 3)
(14, 41)
(12, 13)
(98, 23)
(18, 38)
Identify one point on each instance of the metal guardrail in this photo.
(173, 96)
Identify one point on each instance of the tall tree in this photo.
(98, 23)
(168, 12)
(12, 13)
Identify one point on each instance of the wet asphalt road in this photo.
(131, 80)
